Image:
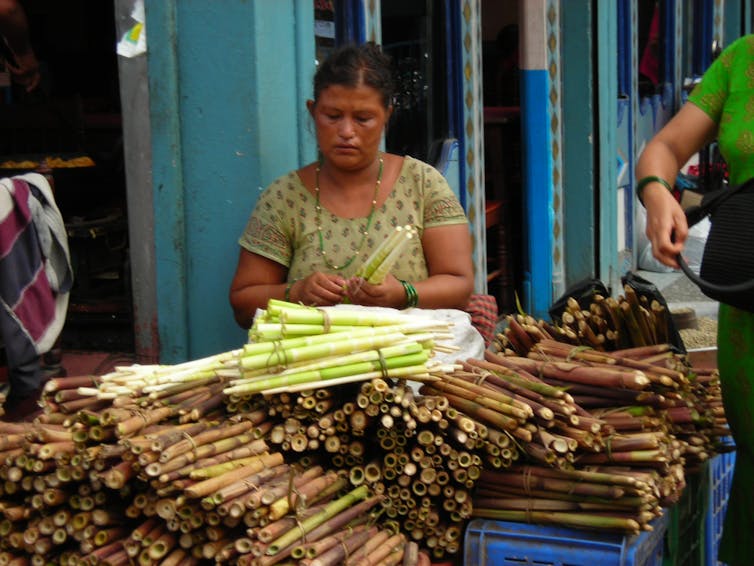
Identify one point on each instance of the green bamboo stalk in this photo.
(261, 331)
(324, 374)
(340, 316)
(381, 271)
(379, 254)
(337, 345)
(267, 347)
(331, 510)
(210, 485)
(417, 373)
(407, 347)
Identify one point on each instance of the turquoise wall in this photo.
(228, 89)
(579, 129)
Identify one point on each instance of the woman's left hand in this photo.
(389, 293)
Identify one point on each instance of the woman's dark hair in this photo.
(351, 65)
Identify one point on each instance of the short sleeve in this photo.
(711, 93)
(269, 231)
(726, 94)
(441, 204)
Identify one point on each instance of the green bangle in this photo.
(288, 290)
(644, 181)
(412, 297)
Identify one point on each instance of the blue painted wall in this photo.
(579, 129)
(228, 89)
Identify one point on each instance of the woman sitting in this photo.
(313, 228)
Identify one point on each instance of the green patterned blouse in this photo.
(726, 94)
(282, 226)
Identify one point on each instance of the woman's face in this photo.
(349, 124)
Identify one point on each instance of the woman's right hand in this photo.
(667, 228)
(672, 147)
(318, 289)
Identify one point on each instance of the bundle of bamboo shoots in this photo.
(613, 500)
(691, 397)
(609, 323)
(555, 431)
(344, 346)
(51, 498)
(422, 464)
(167, 492)
(378, 264)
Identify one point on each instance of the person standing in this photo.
(719, 107)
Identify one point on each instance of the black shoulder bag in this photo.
(727, 270)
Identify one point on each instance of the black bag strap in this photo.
(695, 214)
(713, 199)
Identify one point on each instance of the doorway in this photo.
(70, 129)
(502, 151)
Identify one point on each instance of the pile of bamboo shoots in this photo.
(424, 475)
(544, 421)
(608, 323)
(415, 451)
(688, 398)
(145, 488)
(659, 417)
(308, 444)
(180, 460)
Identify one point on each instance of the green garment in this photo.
(283, 226)
(726, 94)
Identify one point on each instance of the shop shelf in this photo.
(721, 478)
(502, 543)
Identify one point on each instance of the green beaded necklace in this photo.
(318, 210)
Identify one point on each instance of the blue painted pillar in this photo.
(578, 147)
(536, 159)
(228, 87)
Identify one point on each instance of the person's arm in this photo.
(447, 250)
(14, 28)
(685, 134)
(259, 279)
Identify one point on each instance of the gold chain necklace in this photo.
(318, 220)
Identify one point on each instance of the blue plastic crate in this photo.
(685, 535)
(721, 478)
(501, 543)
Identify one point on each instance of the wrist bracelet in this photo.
(288, 287)
(412, 297)
(644, 181)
